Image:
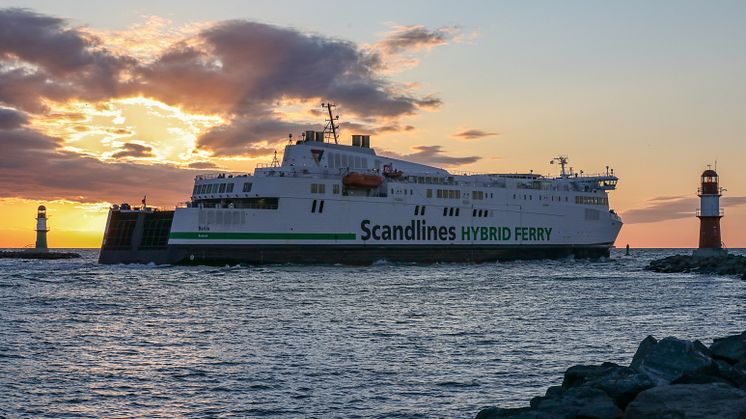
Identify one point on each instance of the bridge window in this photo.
(229, 188)
(247, 186)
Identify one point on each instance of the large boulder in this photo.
(620, 383)
(731, 349)
(643, 350)
(582, 401)
(714, 400)
(671, 359)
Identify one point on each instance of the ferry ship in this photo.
(333, 203)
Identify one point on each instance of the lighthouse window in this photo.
(247, 187)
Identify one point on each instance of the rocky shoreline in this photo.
(37, 255)
(717, 265)
(670, 378)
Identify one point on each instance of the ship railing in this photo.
(222, 175)
(721, 213)
(267, 165)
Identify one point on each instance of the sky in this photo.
(105, 102)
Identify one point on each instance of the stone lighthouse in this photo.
(709, 214)
(41, 229)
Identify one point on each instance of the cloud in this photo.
(44, 59)
(665, 208)
(10, 119)
(242, 137)
(41, 170)
(243, 66)
(202, 165)
(471, 134)
(416, 37)
(432, 155)
(238, 71)
(134, 150)
(223, 74)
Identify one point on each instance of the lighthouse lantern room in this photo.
(709, 214)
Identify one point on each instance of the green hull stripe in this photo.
(262, 236)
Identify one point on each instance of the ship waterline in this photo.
(333, 203)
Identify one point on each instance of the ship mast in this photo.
(562, 160)
(331, 125)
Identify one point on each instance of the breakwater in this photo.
(26, 254)
(717, 265)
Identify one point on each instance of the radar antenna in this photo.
(562, 160)
(275, 161)
(331, 124)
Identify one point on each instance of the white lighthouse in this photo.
(41, 229)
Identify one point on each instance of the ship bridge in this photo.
(312, 156)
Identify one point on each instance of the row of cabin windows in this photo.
(445, 193)
(450, 212)
(479, 213)
(432, 180)
(530, 197)
(215, 188)
(337, 161)
(317, 208)
(250, 203)
(402, 191)
(321, 188)
(591, 200)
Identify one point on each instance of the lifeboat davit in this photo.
(359, 180)
(389, 172)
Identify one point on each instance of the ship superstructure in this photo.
(333, 203)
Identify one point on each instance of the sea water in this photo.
(389, 340)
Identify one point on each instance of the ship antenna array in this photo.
(331, 124)
(562, 160)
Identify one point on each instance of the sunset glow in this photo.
(97, 109)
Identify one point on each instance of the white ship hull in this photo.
(306, 211)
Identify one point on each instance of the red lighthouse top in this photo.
(710, 182)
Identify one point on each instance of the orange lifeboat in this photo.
(359, 180)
